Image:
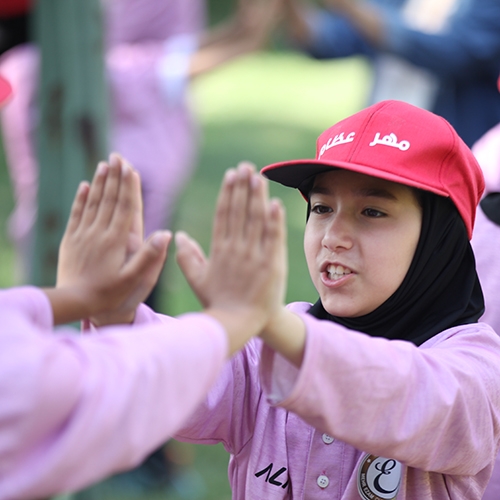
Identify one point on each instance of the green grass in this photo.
(264, 108)
(6, 204)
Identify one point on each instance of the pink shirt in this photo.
(75, 409)
(308, 433)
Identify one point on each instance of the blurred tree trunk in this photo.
(71, 135)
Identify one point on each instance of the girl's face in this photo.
(359, 240)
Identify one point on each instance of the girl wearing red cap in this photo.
(386, 387)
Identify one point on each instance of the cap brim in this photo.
(300, 174)
(5, 90)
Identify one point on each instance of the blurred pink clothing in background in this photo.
(148, 45)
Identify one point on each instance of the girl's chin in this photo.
(333, 307)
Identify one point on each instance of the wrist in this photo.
(240, 325)
(114, 318)
(285, 332)
(68, 304)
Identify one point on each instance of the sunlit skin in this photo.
(368, 226)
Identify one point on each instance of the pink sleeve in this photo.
(435, 408)
(29, 302)
(76, 409)
(228, 414)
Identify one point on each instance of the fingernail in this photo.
(255, 181)
(246, 165)
(82, 187)
(179, 237)
(244, 171)
(114, 159)
(275, 206)
(102, 168)
(230, 176)
(159, 239)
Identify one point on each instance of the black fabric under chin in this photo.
(440, 290)
(490, 205)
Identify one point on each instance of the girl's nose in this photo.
(338, 234)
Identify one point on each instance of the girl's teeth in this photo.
(336, 272)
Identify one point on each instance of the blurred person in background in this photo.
(440, 55)
(153, 50)
(14, 30)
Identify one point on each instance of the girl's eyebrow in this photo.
(363, 192)
(319, 190)
(376, 193)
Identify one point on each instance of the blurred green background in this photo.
(263, 108)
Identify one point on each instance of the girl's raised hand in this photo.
(243, 281)
(105, 268)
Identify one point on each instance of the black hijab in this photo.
(440, 290)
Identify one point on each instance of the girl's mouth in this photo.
(335, 272)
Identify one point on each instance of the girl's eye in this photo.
(371, 212)
(320, 209)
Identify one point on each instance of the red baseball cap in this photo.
(397, 142)
(5, 90)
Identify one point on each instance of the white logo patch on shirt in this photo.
(379, 478)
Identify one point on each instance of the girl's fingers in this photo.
(221, 226)
(95, 194)
(116, 175)
(257, 211)
(138, 192)
(275, 230)
(127, 210)
(239, 204)
(144, 268)
(152, 254)
(137, 225)
(192, 261)
(78, 207)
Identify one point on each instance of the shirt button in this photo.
(327, 439)
(323, 481)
